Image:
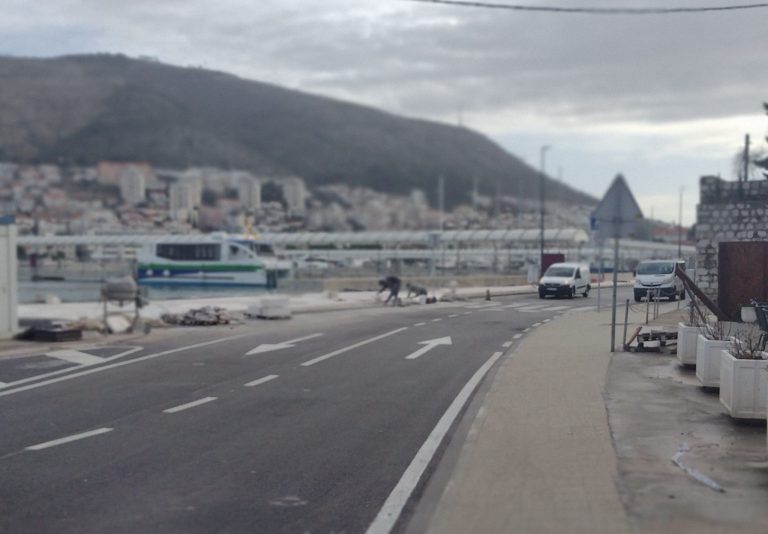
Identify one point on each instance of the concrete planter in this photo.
(743, 386)
(708, 360)
(686, 343)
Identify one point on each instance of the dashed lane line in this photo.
(262, 380)
(193, 404)
(536, 325)
(419, 324)
(68, 439)
(352, 347)
(507, 344)
(517, 336)
(453, 315)
(437, 320)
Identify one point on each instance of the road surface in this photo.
(307, 425)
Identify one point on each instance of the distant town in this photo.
(137, 198)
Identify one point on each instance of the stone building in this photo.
(732, 241)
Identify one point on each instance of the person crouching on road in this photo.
(416, 291)
(393, 284)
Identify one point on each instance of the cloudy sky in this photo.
(662, 99)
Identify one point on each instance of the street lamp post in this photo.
(680, 225)
(542, 196)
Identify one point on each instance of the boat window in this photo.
(189, 252)
(262, 249)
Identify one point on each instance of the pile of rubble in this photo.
(206, 316)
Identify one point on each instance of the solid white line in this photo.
(300, 339)
(75, 356)
(351, 347)
(507, 344)
(558, 308)
(492, 309)
(68, 369)
(75, 437)
(515, 305)
(436, 320)
(261, 380)
(419, 324)
(118, 364)
(582, 308)
(189, 405)
(517, 336)
(534, 308)
(393, 506)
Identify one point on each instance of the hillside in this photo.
(83, 109)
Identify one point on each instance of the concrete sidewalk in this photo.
(572, 438)
(539, 456)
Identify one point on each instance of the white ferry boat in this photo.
(211, 261)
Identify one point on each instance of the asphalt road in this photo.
(189, 433)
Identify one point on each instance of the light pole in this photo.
(542, 194)
(680, 225)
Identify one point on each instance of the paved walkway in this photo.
(539, 457)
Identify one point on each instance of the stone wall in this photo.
(727, 211)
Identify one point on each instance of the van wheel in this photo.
(673, 297)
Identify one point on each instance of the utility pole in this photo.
(680, 225)
(542, 198)
(441, 200)
(746, 157)
(474, 193)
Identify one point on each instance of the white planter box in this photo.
(708, 360)
(686, 343)
(743, 386)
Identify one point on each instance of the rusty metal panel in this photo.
(742, 275)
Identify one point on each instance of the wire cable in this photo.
(595, 10)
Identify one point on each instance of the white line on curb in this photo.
(189, 405)
(393, 506)
(118, 364)
(74, 437)
(527, 329)
(262, 380)
(351, 347)
(536, 325)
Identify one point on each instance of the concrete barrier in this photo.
(8, 278)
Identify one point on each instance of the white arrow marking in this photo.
(429, 345)
(269, 347)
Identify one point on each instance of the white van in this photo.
(565, 280)
(659, 275)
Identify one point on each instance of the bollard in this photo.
(626, 319)
(487, 294)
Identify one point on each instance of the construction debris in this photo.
(206, 316)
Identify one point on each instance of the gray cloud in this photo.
(430, 60)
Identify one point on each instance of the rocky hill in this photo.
(83, 109)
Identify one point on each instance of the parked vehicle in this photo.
(659, 275)
(565, 280)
